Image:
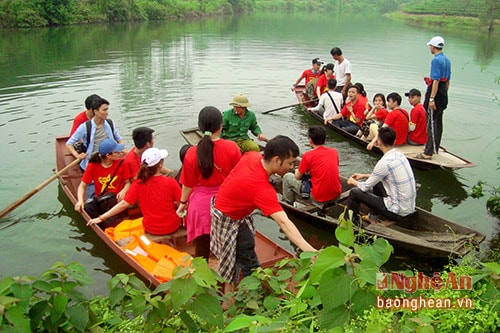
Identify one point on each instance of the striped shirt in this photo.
(394, 172)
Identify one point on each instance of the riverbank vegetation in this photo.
(338, 291)
(41, 13)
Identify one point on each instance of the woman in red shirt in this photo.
(158, 196)
(322, 84)
(103, 165)
(204, 169)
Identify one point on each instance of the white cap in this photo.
(153, 156)
(436, 41)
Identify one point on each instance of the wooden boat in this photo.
(444, 159)
(267, 250)
(421, 234)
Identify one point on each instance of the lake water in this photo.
(162, 74)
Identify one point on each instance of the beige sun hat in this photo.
(240, 100)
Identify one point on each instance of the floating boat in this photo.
(423, 234)
(267, 250)
(444, 159)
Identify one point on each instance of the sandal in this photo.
(422, 156)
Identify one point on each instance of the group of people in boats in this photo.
(224, 178)
(346, 105)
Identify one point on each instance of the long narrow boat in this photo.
(422, 234)
(444, 159)
(267, 250)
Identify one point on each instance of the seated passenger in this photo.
(158, 196)
(354, 110)
(330, 103)
(238, 121)
(390, 189)
(398, 119)
(418, 119)
(311, 77)
(374, 118)
(106, 172)
(322, 164)
(322, 84)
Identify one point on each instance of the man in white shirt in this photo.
(330, 103)
(342, 71)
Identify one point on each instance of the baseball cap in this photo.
(317, 61)
(153, 156)
(436, 41)
(109, 146)
(413, 92)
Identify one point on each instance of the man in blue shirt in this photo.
(436, 97)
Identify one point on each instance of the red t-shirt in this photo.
(381, 114)
(308, 75)
(79, 119)
(419, 117)
(322, 163)
(157, 199)
(132, 162)
(358, 108)
(226, 155)
(323, 83)
(246, 188)
(101, 175)
(398, 120)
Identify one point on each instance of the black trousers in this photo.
(373, 200)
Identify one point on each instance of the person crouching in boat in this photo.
(105, 170)
(158, 196)
(204, 168)
(390, 189)
(354, 110)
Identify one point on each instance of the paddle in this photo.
(289, 106)
(28, 195)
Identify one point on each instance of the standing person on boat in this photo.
(101, 128)
(204, 169)
(245, 189)
(143, 139)
(374, 118)
(105, 171)
(398, 119)
(390, 189)
(310, 76)
(322, 84)
(342, 71)
(436, 96)
(418, 132)
(322, 164)
(353, 110)
(85, 115)
(330, 103)
(158, 196)
(237, 121)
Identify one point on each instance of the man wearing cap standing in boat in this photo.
(436, 97)
(310, 76)
(236, 123)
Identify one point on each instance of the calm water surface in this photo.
(162, 74)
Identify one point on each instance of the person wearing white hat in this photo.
(436, 97)
(236, 123)
(157, 195)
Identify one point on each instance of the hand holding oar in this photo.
(28, 195)
(289, 106)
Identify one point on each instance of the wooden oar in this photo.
(289, 106)
(28, 195)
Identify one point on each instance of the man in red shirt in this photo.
(397, 119)
(85, 115)
(418, 119)
(311, 76)
(322, 164)
(246, 188)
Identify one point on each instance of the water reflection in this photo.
(439, 184)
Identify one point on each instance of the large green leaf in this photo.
(208, 308)
(78, 316)
(328, 258)
(60, 302)
(15, 316)
(271, 302)
(345, 233)
(362, 300)
(116, 295)
(366, 271)
(239, 323)
(336, 288)
(182, 290)
(138, 304)
(334, 317)
(5, 285)
(384, 249)
(189, 322)
(37, 311)
(203, 275)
